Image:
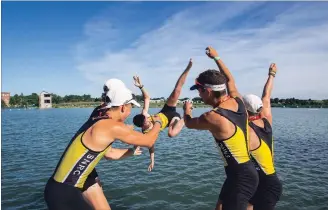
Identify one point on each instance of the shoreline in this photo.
(156, 105)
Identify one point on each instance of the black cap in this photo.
(195, 87)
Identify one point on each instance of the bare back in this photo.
(99, 136)
(223, 128)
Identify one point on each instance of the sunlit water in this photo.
(188, 171)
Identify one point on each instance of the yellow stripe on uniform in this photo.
(236, 148)
(264, 159)
(77, 163)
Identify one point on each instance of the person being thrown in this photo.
(169, 116)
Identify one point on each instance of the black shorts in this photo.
(91, 180)
(268, 193)
(170, 112)
(60, 196)
(239, 187)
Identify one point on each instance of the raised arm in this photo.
(126, 135)
(199, 123)
(145, 95)
(266, 96)
(232, 89)
(174, 96)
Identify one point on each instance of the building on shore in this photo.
(5, 96)
(157, 100)
(45, 100)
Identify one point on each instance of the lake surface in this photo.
(188, 171)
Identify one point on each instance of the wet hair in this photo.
(139, 120)
(213, 77)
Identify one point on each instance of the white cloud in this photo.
(294, 37)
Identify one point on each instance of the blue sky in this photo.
(73, 47)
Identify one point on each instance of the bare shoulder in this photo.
(232, 104)
(211, 117)
(108, 127)
(99, 136)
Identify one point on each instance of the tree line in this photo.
(33, 100)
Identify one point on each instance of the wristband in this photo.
(217, 58)
(188, 116)
(272, 73)
(141, 87)
(160, 123)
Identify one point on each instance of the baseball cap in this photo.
(253, 103)
(117, 94)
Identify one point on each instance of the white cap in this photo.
(118, 94)
(253, 103)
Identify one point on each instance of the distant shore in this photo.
(180, 105)
(87, 105)
(156, 105)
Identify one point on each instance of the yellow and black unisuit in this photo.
(242, 179)
(270, 188)
(74, 171)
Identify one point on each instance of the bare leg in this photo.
(175, 127)
(250, 207)
(96, 198)
(219, 205)
(174, 97)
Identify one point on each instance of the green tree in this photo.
(276, 100)
(183, 99)
(14, 100)
(32, 100)
(3, 104)
(197, 99)
(325, 102)
(139, 97)
(56, 99)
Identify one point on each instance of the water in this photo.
(188, 171)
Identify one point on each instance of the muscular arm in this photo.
(198, 123)
(129, 136)
(232, 89)
(266, 110)
(118, 154)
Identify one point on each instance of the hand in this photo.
(211, 52)
(130, 127)
(137, 151)
(187, 106)
(156, 118)
(137, 81)
(151, 166)
(189, 64)
(273, 68)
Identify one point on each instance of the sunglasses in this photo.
(200, 86)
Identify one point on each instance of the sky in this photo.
(74, 47)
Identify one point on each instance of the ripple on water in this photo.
(188, 172)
